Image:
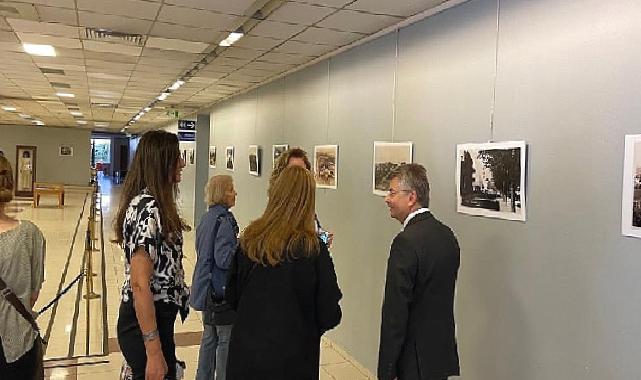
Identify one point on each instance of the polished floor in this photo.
(80, 332)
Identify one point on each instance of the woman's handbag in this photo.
(13, 299)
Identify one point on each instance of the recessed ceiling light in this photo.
(24, 116)
(36, 49)
(65, 95)
(76, 113)
(10, 109)
(38, 122)
(101, 123)
(176, 85)
(147, 109)
(163, 96)
(81, 122)
(233, 37)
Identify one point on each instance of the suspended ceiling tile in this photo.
(226, 62)
(236, 7)
(175, 44)
(50, 28)
(108, 47)
(269, 66)
(328, 36)
(240, 53)
(115, 23)
(398, 8)
(169, 55)
(4, 25)
(145, 10)
(110, 57)
(303, 48)
(165, 30)
(327, 3)
(99, 75)
(354, 21)
(8, 37)
(284, 58)
(197, 18)
(60, 15)
(258, 43)
(68, 53)
(54, 3)
(278, 30)
(298, 13)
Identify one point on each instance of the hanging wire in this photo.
(328, 98)
(496, 68)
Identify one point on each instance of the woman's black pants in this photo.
(132, 345)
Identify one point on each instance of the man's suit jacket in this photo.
(417, 329)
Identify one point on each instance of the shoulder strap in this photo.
(216, 227)
(11, 297)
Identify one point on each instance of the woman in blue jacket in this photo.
(216, 241)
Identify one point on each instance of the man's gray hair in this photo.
(414, 177)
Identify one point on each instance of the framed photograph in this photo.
(326, 166)
(25, 170)
(387, 157)
(631, 200)
(192, 156)
(212, 157)
(254, 160)
(277, 150)
(490, 179)
(229, 158)
(183, 154)
(65, 151)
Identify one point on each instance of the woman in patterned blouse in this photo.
(149, 230)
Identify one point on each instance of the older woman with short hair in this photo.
(216, 241)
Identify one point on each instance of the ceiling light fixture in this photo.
(24, 116)
(43, 50)
(65, 95)
(75, 113)
(177, 85)
(232, 38)
(163, 96)
(9, 109)
(38, 122)
(147, 109)
(81, 122)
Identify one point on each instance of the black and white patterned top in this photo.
(142, 228)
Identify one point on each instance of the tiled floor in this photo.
(65, 230)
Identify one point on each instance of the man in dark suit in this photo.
(417, 331)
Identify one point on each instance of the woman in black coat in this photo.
(283, 286)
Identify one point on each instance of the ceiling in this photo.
(147, 45)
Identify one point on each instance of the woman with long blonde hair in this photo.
(283, 286)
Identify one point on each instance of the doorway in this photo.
(25, 170)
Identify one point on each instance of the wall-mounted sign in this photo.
(186, 125)
(186, 136)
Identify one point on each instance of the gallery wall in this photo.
(50, 166)
(555, 297)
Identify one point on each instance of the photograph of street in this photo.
(229, 158)
(326, 166)
(631, 199)
(254, 160)
(491, 179)
(387, 157)
(212, 157)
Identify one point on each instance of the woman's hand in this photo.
(330, 239)
(156, 366)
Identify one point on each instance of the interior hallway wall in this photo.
(556, 297)
(187, 185)
(50, 166)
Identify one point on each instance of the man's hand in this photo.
(156, 367)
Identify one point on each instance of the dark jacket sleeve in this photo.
(226, 242)
(402, 267)
(328, 293)
(237, 277)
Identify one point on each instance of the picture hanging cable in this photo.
(395, 85)
(496, 68)
(328, 90)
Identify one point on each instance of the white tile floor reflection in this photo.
(67, 328)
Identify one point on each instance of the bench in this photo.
(45, 188)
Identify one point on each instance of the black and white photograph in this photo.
(66, 151)
(212, 157)
(387, 157)
(254, 160)
(183, 154)
(490, 179)
(631, 200)
(326, 166)
(191, 154)
(277, 150)
(229, 158)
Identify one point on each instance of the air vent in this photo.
(97, 34)
(46, 70)
(60, 85)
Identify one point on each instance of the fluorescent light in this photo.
(147, 109)
(76, 113)
(176, 85)
(231, 39)
(38, 122)
(101, 123)
(35, 49)
(163, 96)
(9, 109)
(24, 116)
(65, 95)
(81, 122)
(137, 117)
